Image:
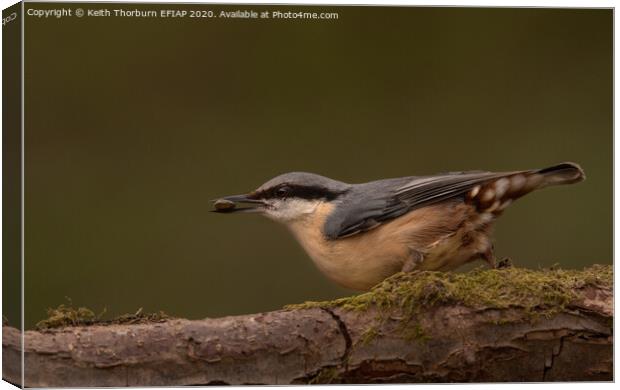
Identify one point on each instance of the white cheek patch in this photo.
(290, 209)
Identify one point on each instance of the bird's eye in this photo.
(283, 191)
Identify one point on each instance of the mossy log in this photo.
(482, 326)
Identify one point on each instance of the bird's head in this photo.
(285, 198)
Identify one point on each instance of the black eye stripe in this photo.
(295, 191)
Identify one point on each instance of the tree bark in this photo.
(442, 342)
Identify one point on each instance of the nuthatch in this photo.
(359, 234)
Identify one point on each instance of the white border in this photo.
(457, 3)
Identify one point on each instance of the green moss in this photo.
(537, 291)
(540, 292)
(67, 315)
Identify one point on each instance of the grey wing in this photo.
(377, 205)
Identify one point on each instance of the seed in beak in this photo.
(224, 205)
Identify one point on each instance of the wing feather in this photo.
(378, 206)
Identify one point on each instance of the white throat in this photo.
(291, 209)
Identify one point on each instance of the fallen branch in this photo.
(494, 325)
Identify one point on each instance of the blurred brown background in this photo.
(133, 125)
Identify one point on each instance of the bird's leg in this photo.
(489, 257)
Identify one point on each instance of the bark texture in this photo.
(439, 340)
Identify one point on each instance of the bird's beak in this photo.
(229, 204)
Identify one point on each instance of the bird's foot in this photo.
(506, 262)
